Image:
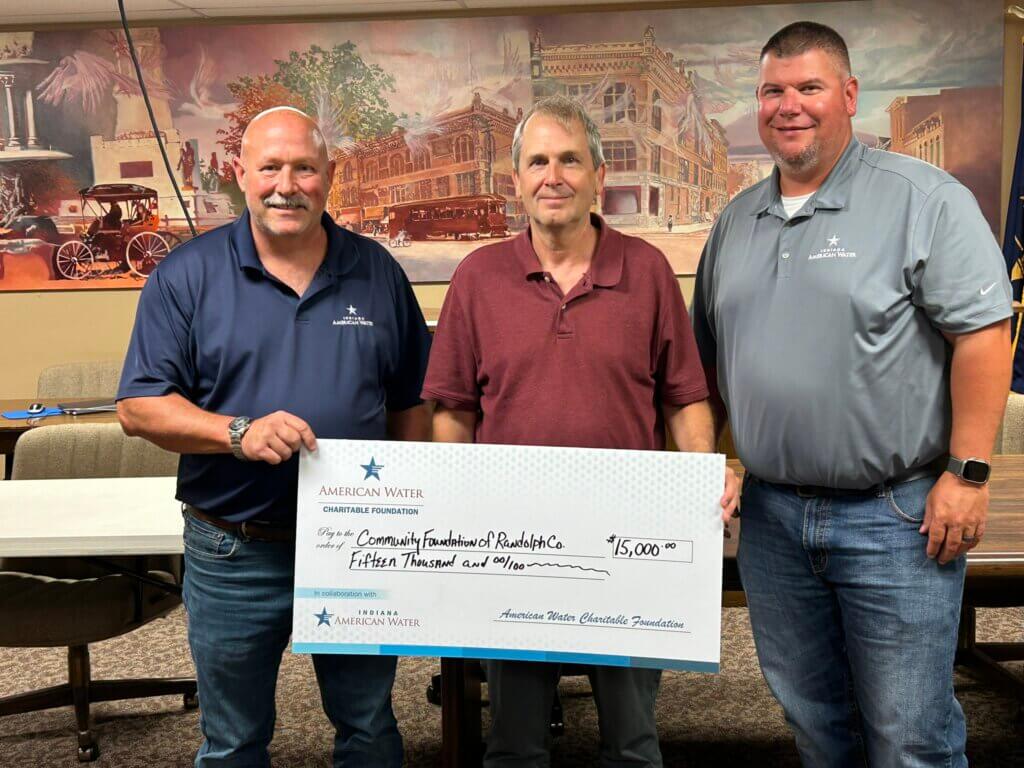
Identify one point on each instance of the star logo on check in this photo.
(323, 618)
(986, 290)
(372, 469)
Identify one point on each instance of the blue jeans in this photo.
(238, 595)
(855, 627)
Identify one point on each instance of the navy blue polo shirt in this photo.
(215, 327)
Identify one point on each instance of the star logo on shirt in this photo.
(372, 469)
(323, 618)
(833, 241)
(351, 310)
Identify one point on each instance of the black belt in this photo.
(255, 530)
(933, 468)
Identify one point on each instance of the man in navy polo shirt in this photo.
(571, 334)
(248, 342)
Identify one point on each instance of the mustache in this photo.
(276, 200)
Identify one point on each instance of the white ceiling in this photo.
(52, 12)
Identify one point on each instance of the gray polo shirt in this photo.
(824, 331)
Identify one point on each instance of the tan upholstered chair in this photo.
(1011, 432)
(66, 601)
(80, 380)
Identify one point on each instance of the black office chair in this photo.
(69, 602)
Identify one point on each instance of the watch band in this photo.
(237, 428)
(971, 470)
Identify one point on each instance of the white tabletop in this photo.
(106, 516)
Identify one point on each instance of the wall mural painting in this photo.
(419, 115)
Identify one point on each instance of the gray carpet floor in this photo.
(725, 720)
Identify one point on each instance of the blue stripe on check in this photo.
(351, 648)
(340, 593)
(506, 654)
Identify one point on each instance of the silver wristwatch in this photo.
(971, 470)
(236, 431)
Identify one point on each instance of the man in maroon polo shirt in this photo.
(571, 334)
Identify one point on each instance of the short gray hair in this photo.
(565, 112)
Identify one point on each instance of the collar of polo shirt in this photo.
(833, 194)
(342, 254)
(605, 267)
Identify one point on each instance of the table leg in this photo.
(460, 713)
(977, 658)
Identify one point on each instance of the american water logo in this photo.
(353, 318)
(372, 469)
(833, 251)
(367, 494)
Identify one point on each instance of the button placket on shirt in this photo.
(581, 289)
(787, 249)
(563, 327)
(322, 281)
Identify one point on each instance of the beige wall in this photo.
(40, 329)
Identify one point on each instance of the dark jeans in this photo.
(521, 693)
(238, 595)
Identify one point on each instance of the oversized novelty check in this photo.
(510, 552)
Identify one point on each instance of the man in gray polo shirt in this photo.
(851, 311)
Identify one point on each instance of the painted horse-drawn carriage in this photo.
(119, 232)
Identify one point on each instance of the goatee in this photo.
(801, 161)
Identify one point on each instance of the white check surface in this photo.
(488, 551)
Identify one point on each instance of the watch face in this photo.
(239, 423)
(975, 471)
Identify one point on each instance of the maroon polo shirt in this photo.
(588, 369)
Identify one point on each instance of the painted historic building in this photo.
(664, 158)
(953, 130)
(465, 151)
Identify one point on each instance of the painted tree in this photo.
(336, 87)
(346, 94)
(252, 96)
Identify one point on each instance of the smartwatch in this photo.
(236, 431)
(970, 470)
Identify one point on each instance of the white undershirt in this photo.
(794, 204)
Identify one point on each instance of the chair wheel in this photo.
(89, 753)
(434, 694)
(190, 700)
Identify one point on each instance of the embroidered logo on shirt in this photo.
(352, 318)
(833, 251)
(986, 290)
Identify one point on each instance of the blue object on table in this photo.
(27, 415)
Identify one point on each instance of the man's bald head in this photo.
(285, 172)
(282, 118)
